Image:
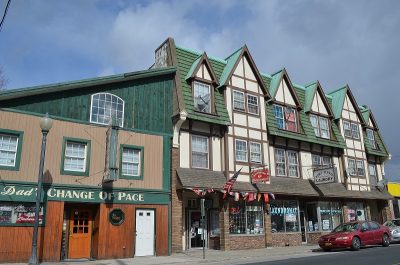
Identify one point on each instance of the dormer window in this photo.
(105, 107)
(202, 97)
(286, 118)
(321, 126)
(371, 138)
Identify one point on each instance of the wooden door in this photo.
(80, 233)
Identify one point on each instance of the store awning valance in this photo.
(288, 186)
(205, 179)
(338, 190)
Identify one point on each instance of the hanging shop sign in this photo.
(116, 217)
(324, 175)
(260, 175)
(14, 192)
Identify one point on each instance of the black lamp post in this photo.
(45, 125)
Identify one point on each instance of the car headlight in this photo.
(342, 238)
(396, 231)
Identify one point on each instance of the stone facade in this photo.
(176, 206)
(286, 239)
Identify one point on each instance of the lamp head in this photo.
(46, 123)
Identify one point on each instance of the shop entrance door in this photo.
(303, 227)
(196, 232)
(80, 233)
(144, 245)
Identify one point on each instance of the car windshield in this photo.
(349, 227)
(396, 222)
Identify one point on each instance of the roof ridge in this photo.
(338, 89)
(227, 58)
(200, 53)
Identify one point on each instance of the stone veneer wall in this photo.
(312, 238)
(286, 239)
(246, 242)
(176, 206)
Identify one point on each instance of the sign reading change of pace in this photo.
(324, 175)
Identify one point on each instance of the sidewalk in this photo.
(211, 256)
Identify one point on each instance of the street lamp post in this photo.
(45, 125)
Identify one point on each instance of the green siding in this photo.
(148, 102)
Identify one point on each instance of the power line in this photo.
(5, 14)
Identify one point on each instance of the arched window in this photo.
(106, 106)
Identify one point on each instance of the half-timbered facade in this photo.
(244, 120)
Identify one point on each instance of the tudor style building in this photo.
(106, 185)
(229, 117)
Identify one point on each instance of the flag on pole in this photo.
(229, 184)
(266, 198)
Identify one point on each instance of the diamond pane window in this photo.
(202, 97)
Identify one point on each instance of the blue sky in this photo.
(335, 42)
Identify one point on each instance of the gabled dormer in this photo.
(203, 81)
(320, 113)
(240, 63)
(374, 144)
(286, 103)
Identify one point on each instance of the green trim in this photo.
(54, 117)
(166, 178)
(141, 148)
(75, 173)
(58, 87)
(24, 192)
(122, 217)
(20, 135)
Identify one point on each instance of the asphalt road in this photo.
(365, 256)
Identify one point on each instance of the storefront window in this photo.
(246, 218)
(284, 216)
(19, 213)
(323, 216)
(396, 208)
(356, 211)
(214, 223)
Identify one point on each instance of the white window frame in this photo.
(347, 131)
(316, 127)
(371, 138)
(196, 85)
(327, 129)
(362, 167)
(287, 109)
(321, 160)
(200, 152)
(131, 163)
(5, 151)
(252, 153)
(252, 104)
(282, 154)
(355, 132)
(84, 158)
(290, 164)
(352, 169)
(245, 150)
(112, 96)
(239, 101)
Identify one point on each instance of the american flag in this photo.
(229, 184)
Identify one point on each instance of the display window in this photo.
(284, 216)
(246, 218)
(356, 211)
(19, 213)
(323, 216)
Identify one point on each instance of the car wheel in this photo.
(385, 240)
(355, 243)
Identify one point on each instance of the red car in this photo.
(354, 235)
